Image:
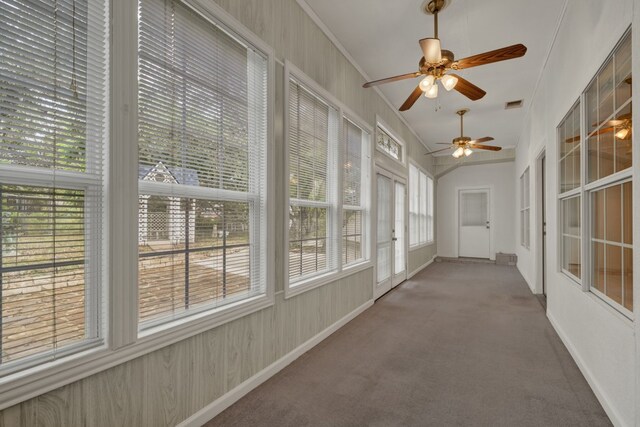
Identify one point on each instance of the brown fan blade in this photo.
(468, 89)
(509, 52)
(392, 79)
(486, 147)
(572, 139)
(411, 99)
(443, 143)
(599, 132)
(617, 122)
(438, 151)
(485, 139)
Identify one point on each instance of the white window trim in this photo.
(430, 202)
(585, 190)
(340, 271)
(122, 340)
(380, 123)
(365, 197)
(578, 191)
(525, 184)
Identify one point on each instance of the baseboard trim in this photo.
(422, 267)
(232, 396)
(612, 413)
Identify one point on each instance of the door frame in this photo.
(492, 229)
(541, 211)
(374, 232)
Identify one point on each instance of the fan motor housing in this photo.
(461, 140)
(447, 60)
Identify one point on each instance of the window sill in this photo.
(572, 277)
(303, 286)
(612, 306)
(48, 376)
(421, 245)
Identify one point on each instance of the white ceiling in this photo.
(382, 37)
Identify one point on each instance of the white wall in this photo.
(496, 176)
(600, 339)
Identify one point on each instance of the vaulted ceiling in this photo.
(382, 37)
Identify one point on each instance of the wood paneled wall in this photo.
(167, 386)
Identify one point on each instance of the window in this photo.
(608, 141)
(313, 151)
(607, 193)
(389, 145)
(202, 165)
(420, 207)
(570, 143)
(571, 241)
(355, 194)
(53, 135)
(524, 209)
(611, 243)
(329, 167)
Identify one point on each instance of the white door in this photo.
(391, 248)
(475, 226)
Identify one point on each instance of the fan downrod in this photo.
(432, 6)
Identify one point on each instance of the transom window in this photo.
(389, 145)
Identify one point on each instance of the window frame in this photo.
(574, 192)
(293, 288)
(525, 209)
(587, 189)
(381, 125)
(430, 202)
(366, 186)
(119, 256)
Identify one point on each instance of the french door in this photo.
(391, 244)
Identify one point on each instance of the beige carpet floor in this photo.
(457, 345)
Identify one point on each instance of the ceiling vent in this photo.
(513, 104)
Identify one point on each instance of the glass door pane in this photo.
(399, 227)
(384, 228)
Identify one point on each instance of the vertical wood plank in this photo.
(114, 396)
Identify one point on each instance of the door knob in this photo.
(394, 239)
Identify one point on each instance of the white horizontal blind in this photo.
(202, 154)
(53, 116)
(420, 207)
(430, 202)
(355, 186)
(313, 141)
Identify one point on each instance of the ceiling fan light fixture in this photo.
(431, 50)
(467, 151)
(432, 92)
(449, 81)
(427, 82)
(458, 153)
(622, 133)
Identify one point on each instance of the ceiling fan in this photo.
(436, 64)
(464, 145)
